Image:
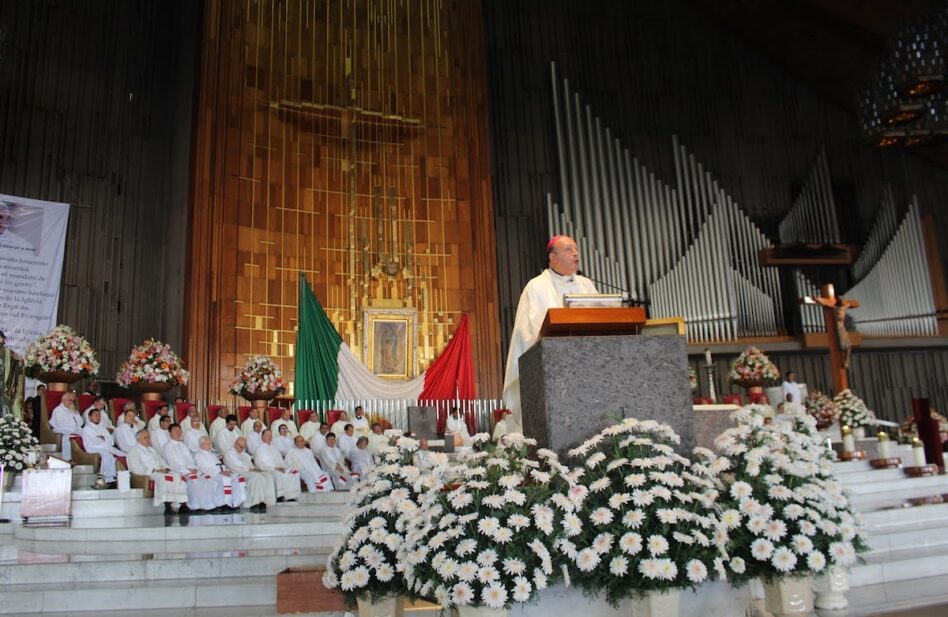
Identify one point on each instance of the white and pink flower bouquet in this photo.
(822, 408)
(61, 349)
(259, 374)
(152, 362)
(364, 563)
(489, 540)
(785, 512)
(753, 366)
(647, 518)
(853, 412)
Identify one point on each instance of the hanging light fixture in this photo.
(904, 104)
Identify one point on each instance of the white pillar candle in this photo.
(849, 443)
(707, 356)
(885, 448)
(918, 453)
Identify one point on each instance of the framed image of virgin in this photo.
(390, 342)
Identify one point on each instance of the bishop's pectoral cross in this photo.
(840, 347)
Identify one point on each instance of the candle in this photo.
(918, 452)
(885, 449)
(849, 443)
(707, 356)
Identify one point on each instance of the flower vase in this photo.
(830, 589)
(656, 604)
(386, 606)
(151, 391)
(260, 399)
(58, 381)
(789, 595)
(479, 611)
(859, 432)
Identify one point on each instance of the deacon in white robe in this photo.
(347, 441)
(188, 423)
(155, 421)
(285, 420)
(218, 424)
(502, 427)
(267, 458)
(310, 427)
(226, 438)
(318, 441)
(96, 438)
(144, 460)
(100, 405)
(192, 439)
(377, 439)
(138, 425)
(260, 489)
(791, 389)
(283, 442)
(542, 293)
(203, 493)
(338, 427)
(208, 465)
(302, 460)
(360, 423)
(66, 421)
(125, 434)
(333, 462)
(457, 426)
(360, 458)
(160, 436)
(255, 437)
(246, 427)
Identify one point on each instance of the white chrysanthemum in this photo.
(462, 594)
(572, 526)
(667, 570)
(802, 544)
(540, 580)
(762, 549)
(487, 557)
(518, 521)
(601, 516)
(776, 530)
(360, 576)
(816, 561)
(602, 543)
(731, 518)
(757, 524)
(486, 574)
(684, 538)
(514, 566)
(347, 560)
(619, 566)
(807, 528)
(741, 490)
(595, 459)
(617, 500)
(635, 480)
(467, 571)
(466, 547)
(488, 525)
(657, 545)
(385, 572)
(750, 506)
(521, 589)
(697, 571)
(587, 559)
(503, 535)
(633, 519)
(630, 543)
(600, 485)
(649, 568)
(738, 566)
(667, 516)
(783, 559)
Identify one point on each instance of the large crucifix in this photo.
(840, 346)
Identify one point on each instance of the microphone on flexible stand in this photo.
(631, 301)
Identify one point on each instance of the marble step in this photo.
(308, 510)
(880, 521)
(900, 565)
(89, 503)
(876, 495)
(920, 534)
(878, 598)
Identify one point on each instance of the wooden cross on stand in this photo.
(840, 346)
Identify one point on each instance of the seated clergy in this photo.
(283, 442)
(457, 427)
(203, 493)
(219, 423)
(66, 421)
(318, 441)
(99, 404)
(333, 462)
(377, 439)
(144, 460)
(192, 436)
(502, 427)
(339, 425)
(246, 427)
(155, 420)
(96, 438)
(267, 458)
(255, 437)
(360, 423)
(129, 406)
(125, 433)
(160, 436)
(227, 436)
(347, 441)
(310, 427)
(188, 424)
(302, 460)
(360, 458)
(210, 466)
(422, 458)
(285, 420)
(261, 491)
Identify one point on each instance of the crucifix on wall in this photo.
(838, 341)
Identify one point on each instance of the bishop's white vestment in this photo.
(361, 426)
(333, 463)
(232, 486)
(458, 426)
(268, 458)
(170, 487)
(66, 422)
(260, 487)
(310, 427)
(303, 461)
(96, 438)
(203, 493)
(290, 427)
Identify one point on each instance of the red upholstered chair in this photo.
(151, 408)
(51, 400)
(212, 414)
(243, 412)
(332, 415)
(303, 415)
(181, 411)
(84, 401)
(499, 414)
(273, 413)
(758, 397)
(471, 421)
(702, 400)
(441, 419)
(81, 457)
(732, 399)
(115, 408)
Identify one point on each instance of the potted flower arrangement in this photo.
(648, 525)
(15, 439)
(854, 413)
(259, 380)
(822, 409)
(787, 516)
(364, 565)
(60, 357)
(488, 542)
(152, 368)
(752, 369)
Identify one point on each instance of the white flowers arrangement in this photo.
(364, 563)
(15, 439)
(753, 366)
(259, 374)
(785, 512)
(853, 411)
(647, 519)
(61, 349)
(489, 539)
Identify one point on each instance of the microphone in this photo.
(628, 294)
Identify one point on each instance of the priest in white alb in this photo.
(125, 433)
(283, 442)
(155, 421)
(347, 441)
(188, 423)
(99, 404)
(310, 427)
(360, 457)
(340, 424)
(226, 437)
(260, 490)
(96, 438)
(193, 436)
(377, 439)
(219, 423)
(144, 460)
(267, 458)
(285, 420)
(456, 426)
(360, 423)
(160, 436)
(255, 437)
(208, 465)
(318, 441)
(203, 493)
(246, 427)
(301, 458)
(541, 293)
(333, 462)
(66, 421)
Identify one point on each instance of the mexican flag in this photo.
(326, 369)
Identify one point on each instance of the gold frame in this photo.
(403, 324)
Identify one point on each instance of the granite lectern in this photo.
(574, 386)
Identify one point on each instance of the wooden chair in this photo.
(48, 404)
(151, 408)
(115, 408)
(303, 415)
(182, 410)
(273, 414)
(145, 483)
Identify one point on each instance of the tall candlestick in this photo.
(707, 356)
(918, 452)
(885, 448)
(849, 442)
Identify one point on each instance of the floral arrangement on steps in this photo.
(910, 430)
(648, 520)
(853, 412)
(488, 541)
(15, 439)
(259, 374)
(822, 409)
(152, 362)
(61, 350)
(363, 565)
(786, 514)
(753, 367)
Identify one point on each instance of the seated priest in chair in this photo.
(268, 458)
(333, 462)
(259, 485)
(225, 438)
(97, 438)
(301, 459)
(99, 404)
(66, 421)
(456, 426)
(219, 423)
(144, 460)
(285, 420)
(310, 427)
(125, 433)
(203, 493)
(208, 465)
(246, 427)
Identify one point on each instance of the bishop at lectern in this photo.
(542, 293)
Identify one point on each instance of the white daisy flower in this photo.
(784, 559)
(600, 485)
(486, 574)
(385, 573)
(631, 543)
(488, 525)
(601, 516)
(587, 559)
(487, 557)
(657, 545)
(617, 500)
(602, 543)
(649, 568)
(741, 490)
(462, 594)
(634, 480)
(757, 524)
(518, 521)
(467, 571)
(762, 549)
(776, 530)
(572, 525)
(619, 566)
(731, 518)
(667, 570)
(466, 547)
(521, 589)
(802, 544)
(738, 566)
(503, 535)
(697, 571)
(816, 561)
(633, 519)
